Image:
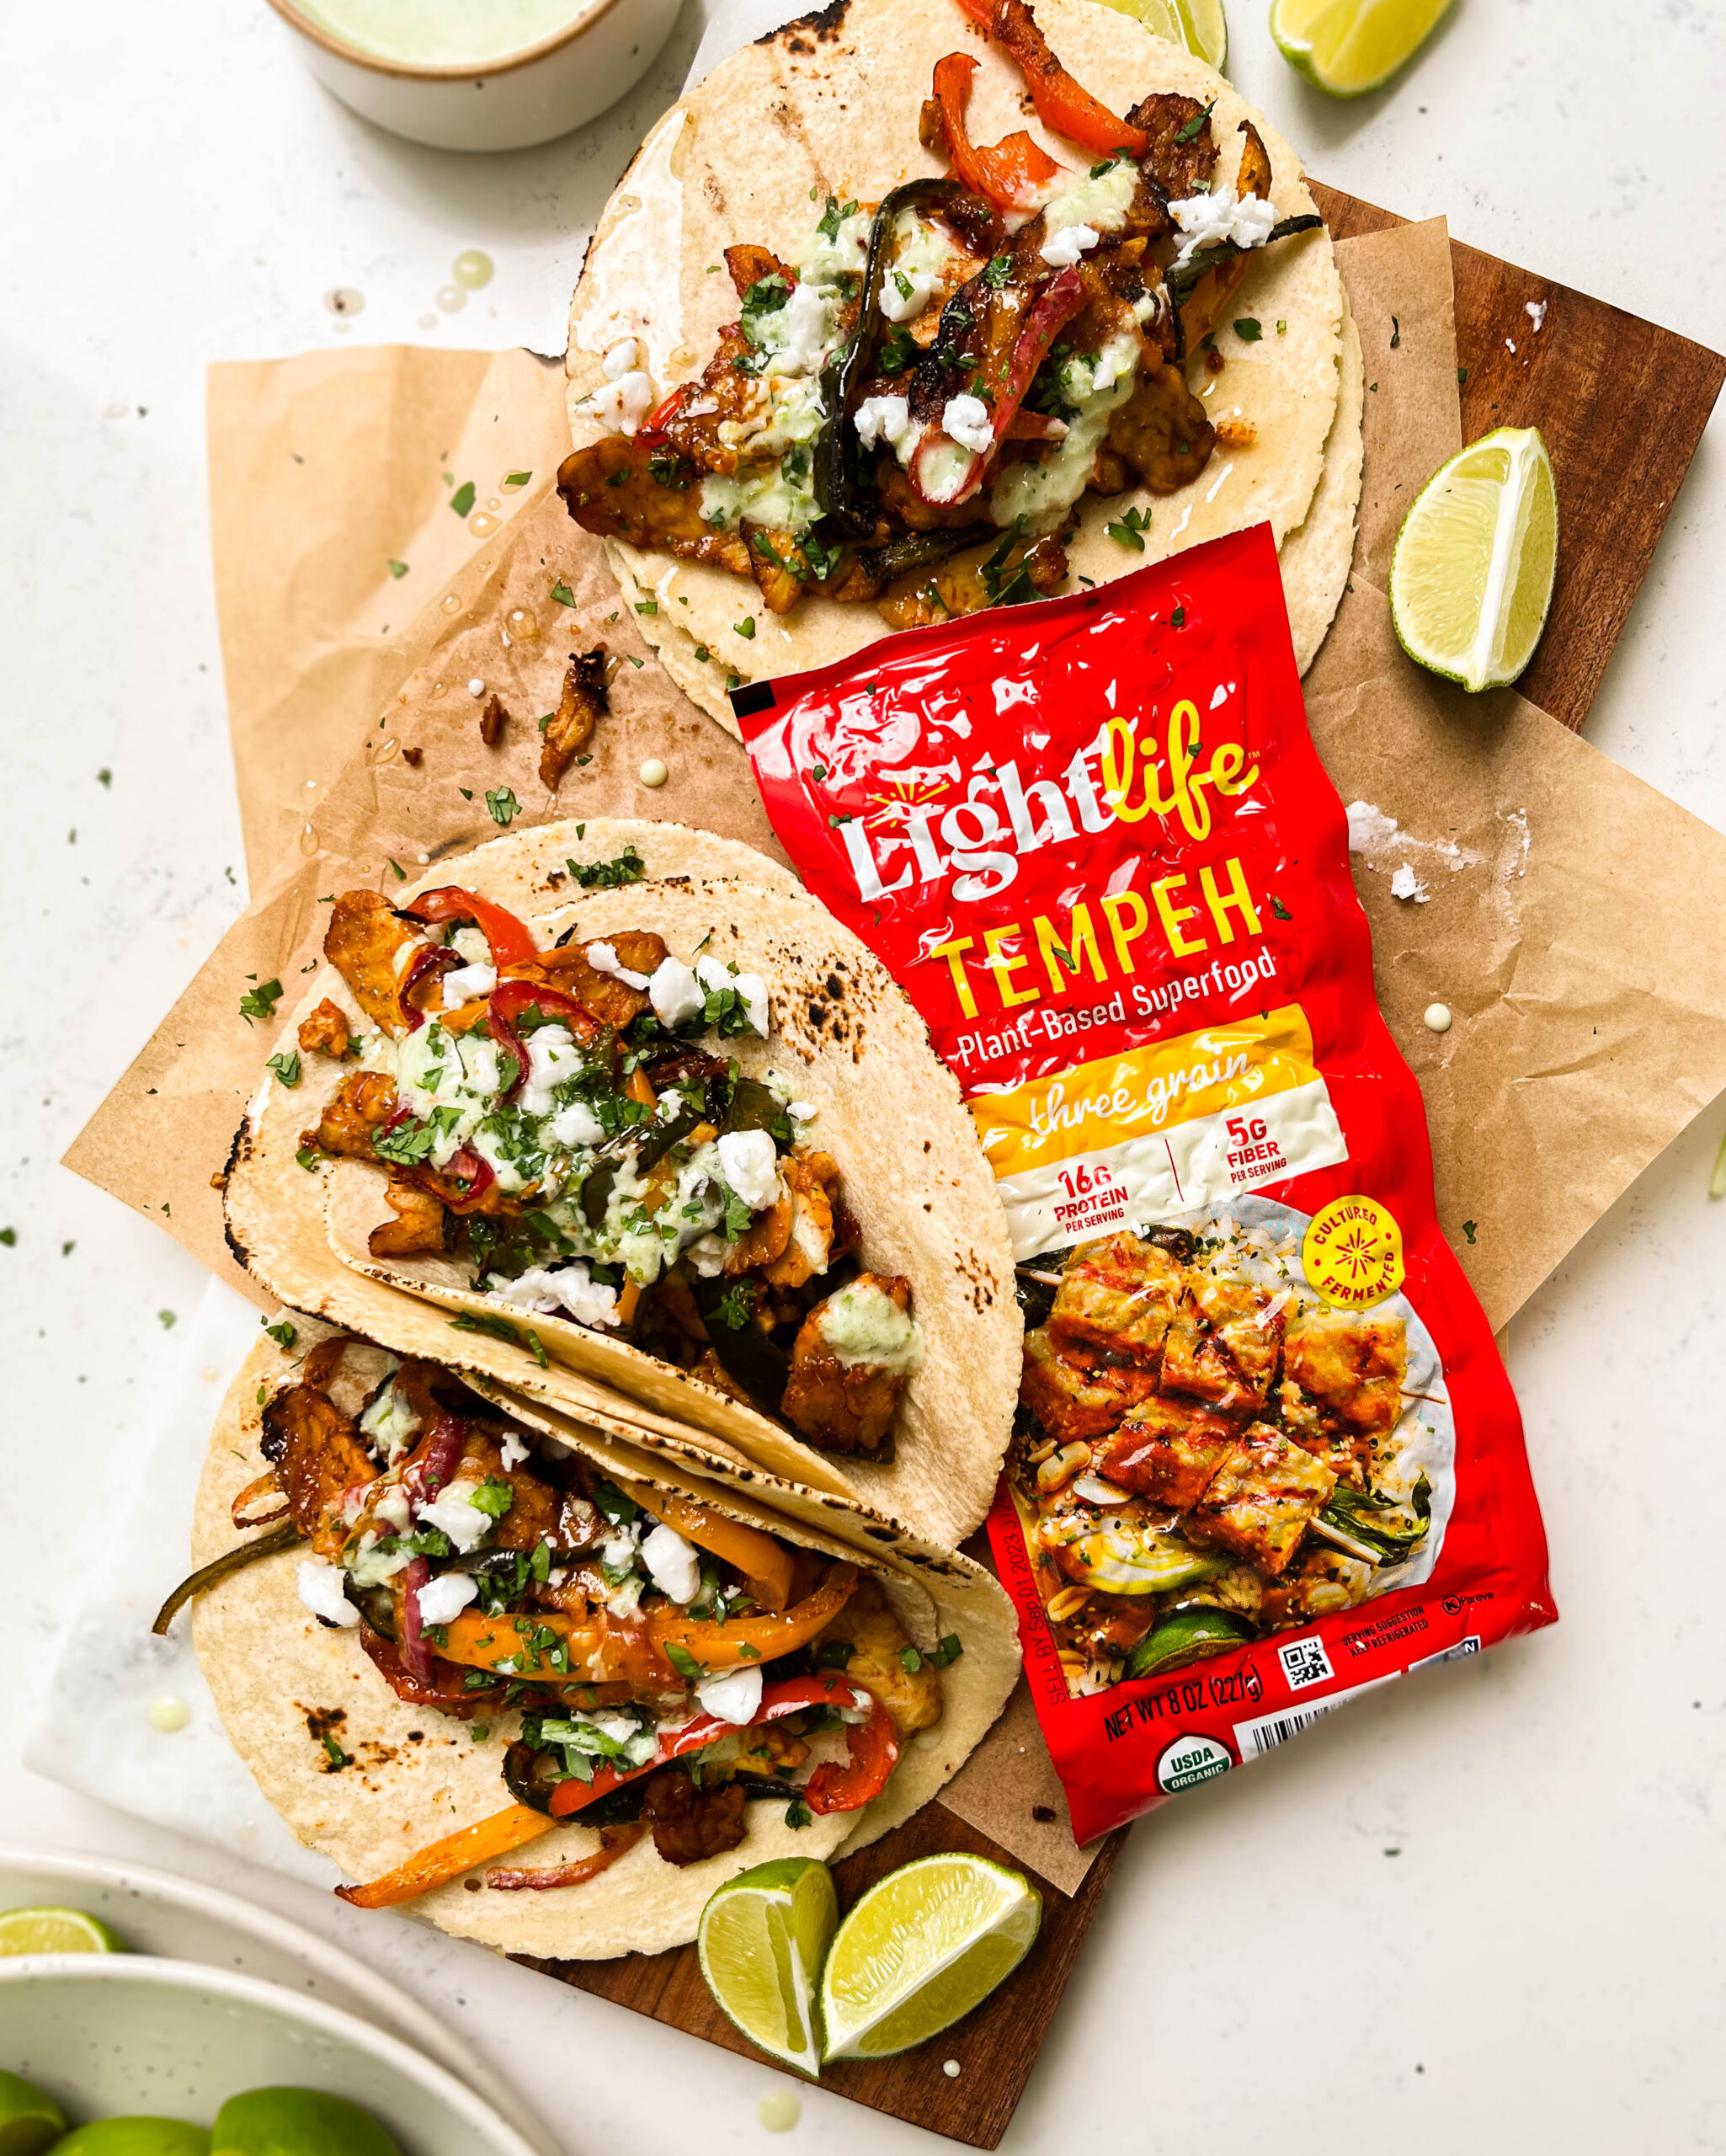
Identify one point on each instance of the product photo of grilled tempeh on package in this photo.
(1266, 1454)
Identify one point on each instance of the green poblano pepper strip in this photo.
(841, 484)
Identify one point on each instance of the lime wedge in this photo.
(921, 1948)
(296, 2122)
(1200, 25)
(135, 2138)
(764, 1937)
(1350, 47)
(1471, 576)
(56, 1931)
(29, 2121)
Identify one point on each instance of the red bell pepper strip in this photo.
(415, 1651)
(462, 1183)
(510, 998)
(786, 1697)
(873, 1749)
(1053, 308)
(1009, 173)
(428, 958)
(1063, 104)
(651, 433)
(511, 940)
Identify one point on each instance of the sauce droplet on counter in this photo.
(451, 299)
(473, 267)
(1438, 1018)
(450, 603)
(523, 626)
(344, 300)
(950, 2066)
(428, 321)
(168, 1714)
(653, 773)
(780, 2109)
(481, 525)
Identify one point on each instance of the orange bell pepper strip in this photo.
(548, 1645)
(765, 1565)
(1063, 104)
(448, 1858)
(1011, 172)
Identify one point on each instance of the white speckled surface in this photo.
(1536, 1966)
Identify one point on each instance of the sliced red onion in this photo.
(414, 1651)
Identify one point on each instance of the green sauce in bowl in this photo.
(443, 32)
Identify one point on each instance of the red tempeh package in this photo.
(1267, 1455)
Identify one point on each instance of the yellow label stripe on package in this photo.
(1170, 1126)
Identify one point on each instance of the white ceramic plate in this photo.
(178, 1919)
(113, 2034)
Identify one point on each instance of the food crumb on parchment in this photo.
(1438, 1018)
(950, 2066)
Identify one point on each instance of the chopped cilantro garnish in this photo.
(284, 1334)
(949, 1650)
(1281, 911)
(909, 1659)
(1247, 330)
(797, 1814)
(308, 1156)
(563, 593)
(617, 1508)
(1177, 620)
(260, 1002)
(493, 1498)
(502, 803)
(286, 1067)
(683, 1663)
(517, 478)
(1189, 133)
(398, 568)
(746, 628)
(1469, 1227)
(1128, 530)
(338, 1758)
(461, 501)
(736, 1306)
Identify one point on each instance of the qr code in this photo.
(1305, 1663)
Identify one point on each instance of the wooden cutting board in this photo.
(1621, 405)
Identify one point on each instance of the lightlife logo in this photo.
(985, 847)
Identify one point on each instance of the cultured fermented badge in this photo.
(1352, 1252)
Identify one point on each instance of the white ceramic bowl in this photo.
(182, 1920)
(125, 2033)
(533, 96)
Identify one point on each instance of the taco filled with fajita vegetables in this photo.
(539, 1688)
(671, 1147)
(914, 308)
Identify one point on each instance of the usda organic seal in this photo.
(1190, 1760)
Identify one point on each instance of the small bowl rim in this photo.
(461, 71)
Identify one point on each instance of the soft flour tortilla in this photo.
(831, 104)
(281, 1681)
(1315, 560)
(889, 1111)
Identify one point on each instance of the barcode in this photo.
(1265, 1732)
(1256, 1738)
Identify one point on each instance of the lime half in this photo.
(764, 1937)
(1470, 579)
(1350, 47)
(29, 2121)
(921, 1948)
(1200, 25)
(298, 2123)
(56, 1931)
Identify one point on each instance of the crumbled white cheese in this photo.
(514, 1449)
(882, 418)
(672, 1564)
(1404, 884)
(798, 333)
(576, 1125)
(446, 1597)
(320, 1591)
(965, 421)
(466, 983)
(470, 943)
(552, 1057)
(603, 959)
(622, 358)
(1061, 249)
(735, 1696)
(712, 976)
(673, 992)
(452, 1513)
(1205, 219)
(476, 687)
(750, 1162)
(1536, 312)
(802, 1111)
(621, 405)
(571, 1288)
(905, 293)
